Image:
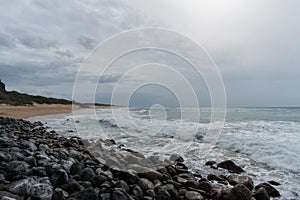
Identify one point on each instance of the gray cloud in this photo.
(87, 42)
(7, 40)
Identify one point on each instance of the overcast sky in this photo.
(255, 44)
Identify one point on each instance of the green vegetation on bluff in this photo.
(20, 99)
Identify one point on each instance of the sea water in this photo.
(264, 141)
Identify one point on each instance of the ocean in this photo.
(264, 141)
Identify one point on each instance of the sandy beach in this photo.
(24, 112)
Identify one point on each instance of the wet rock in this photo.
(41, 191)
(128, 177)
(104, 196)
(213, 177)
(86, 194)
(122, 185)
(120, 195)
(76, 168)
(230, 166)
(137, 192)
(163, 195)
(9, 196)
(59, 194)
(171, 190)
(274, 183)
(59, 177)
(261, 194)
(246, 180)
(192, 195)
(87, 174)
(72, 187)
(32, 186)
(152, 175)
(238, 192)
(176, 158)
(217, 193)
(205, 186)
(99, 180)
(145, 184)
(5, 156)
(210, 163)
(18, 167)
(270, 189)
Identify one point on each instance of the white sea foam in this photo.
(264, 141)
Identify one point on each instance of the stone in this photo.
(205, 186)
(18, 167)
(59, 177)
(32, 186)
(176, 158)
(59, 194)
(270, 189)
(5, 156)
(9, 196)
(137, 192)
(122, 185)
(274, 183)
(192, 195)
(41, 191)
(171, 190)
(210, 163)
(76, 168)
(246, 180)
(119, 195)
(213, 177)
(72, 187)
(230, 166)
(163, 195)
(145, 184)
(261, 194)
(128, 176)
(86, 194)
(152, 175)
(87, 174)
(238, 192)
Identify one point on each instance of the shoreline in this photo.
(39, 164)
(36, 110)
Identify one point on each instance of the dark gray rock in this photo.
(192, 195)
(5, 156)
(72, 187)
(238, 192)
(261, 194)
(122, 185)
(59, 194)
(32, 186)
(87, 194)
(163, 195)
(87, 174)
(137, 192)
(171, 190)
(59, 177)
(9, 196)
(118, 194)
(128, 177)
(145, 184)
(76, 168)
(18, 167)
(246, 180)
(230, 166)
(270, 189)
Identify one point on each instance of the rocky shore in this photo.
(39, 164)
